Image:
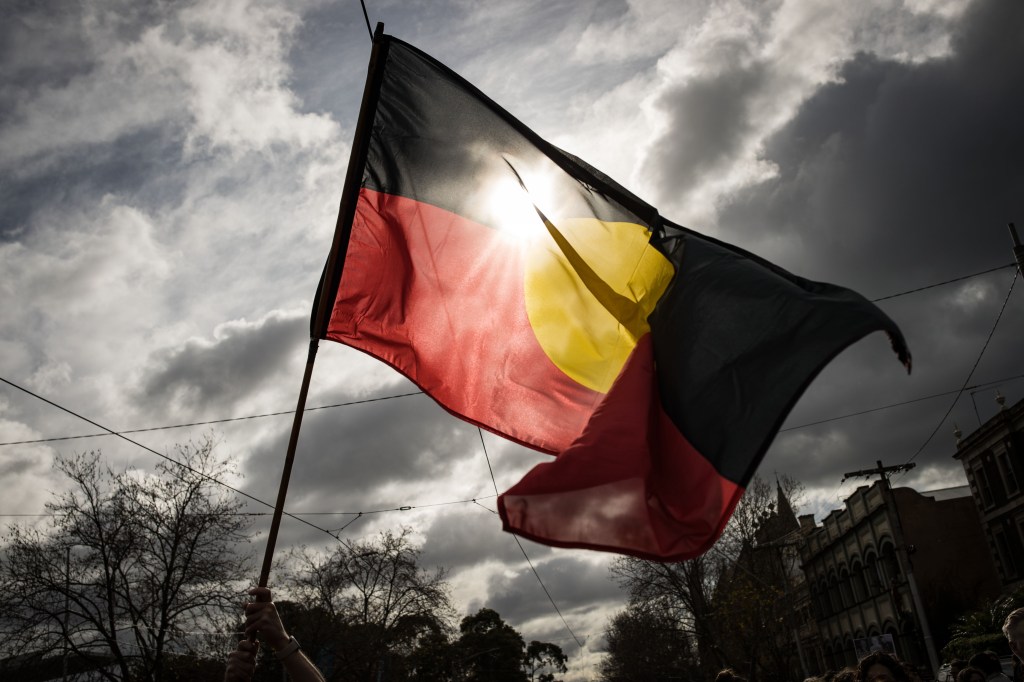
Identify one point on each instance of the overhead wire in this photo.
(970, 374)
(413, 393)
(366, 16)
(214, 421)
(494, 481)
(473, 500)
(333, 534)
(358, 515)
(899, 404)
(182, 465)
(948, 281)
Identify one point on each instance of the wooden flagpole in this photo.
(332, 276)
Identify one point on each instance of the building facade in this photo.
(993, 459)
(858, 582)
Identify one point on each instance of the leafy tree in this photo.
(491, 649)
(366, 606)
(647, 646)
(543, 660)
(982, 628)
(130, 567)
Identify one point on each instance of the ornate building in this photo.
(993, 457)
(859, 591)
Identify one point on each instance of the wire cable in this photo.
(523, 549)
(163, 456)
(403, 508)
(212, 421)
(905, 402)
(366, 16)
(333, 534)
(939, 284)
(969, 374)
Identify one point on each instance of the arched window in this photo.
(871, 575)
(890, 565)
(824, 605)
(830, 659)
(905, 643)
(845, 588)
(849, 652)
(857, 583)
(833, 594)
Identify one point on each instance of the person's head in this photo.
(987, 662)
(1013, 628)
(729, 675)
(955, 666)
(846, 675)
(881, 667)
(970, 674)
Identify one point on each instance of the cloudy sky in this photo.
(169, 181)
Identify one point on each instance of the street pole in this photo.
(902, 555)
(1018, 248)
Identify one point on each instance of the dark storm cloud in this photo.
(468, 536)
(573, 581)
(202, 374)
(899, 173)
(708, 120)
(124, 167)
(348, 453)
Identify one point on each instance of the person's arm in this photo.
(261, 618)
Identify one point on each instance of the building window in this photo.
(871, 573)
(984, 488)
(1005, 555)
(1006, 470)
(860, 589)
(890, 566)
(844, 588)
(833, 595)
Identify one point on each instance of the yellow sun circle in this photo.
(590, 286)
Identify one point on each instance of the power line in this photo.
(163, 456)
(905, 402)
(413, 393)
(523, 549)
(969, 374)
(213, 421)
(267, 504)
(939, 284)
(474, 500)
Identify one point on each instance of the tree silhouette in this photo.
(131, 567)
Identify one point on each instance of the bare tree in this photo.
(679, 593)
(130, 566)
(647, 646)
(369, 603)
(728, 599)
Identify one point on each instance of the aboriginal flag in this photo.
(528, 293)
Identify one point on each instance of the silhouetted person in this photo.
(729, 675)
(970, 674)
(881, 667)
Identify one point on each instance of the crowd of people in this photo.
(880, 666)
(262, 622)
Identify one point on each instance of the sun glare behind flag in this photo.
(531, 295)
